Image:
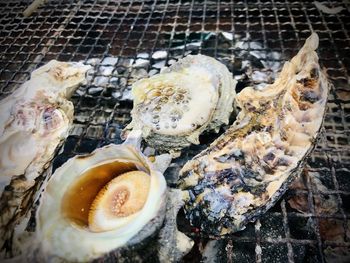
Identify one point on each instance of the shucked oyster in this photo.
(34, 120)
(247, 169)
(174, 107)
(101, 205)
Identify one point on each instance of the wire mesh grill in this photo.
(128, 40)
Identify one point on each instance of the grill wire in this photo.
(128, 40)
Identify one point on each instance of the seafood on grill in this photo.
(173, 243)
(174, 107)
(34, 121)
(247, 169)
(105, 205)
(323, 203)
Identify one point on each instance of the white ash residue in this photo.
(94, 90)
(143, 55)
(325, 9)
(251, 63)
(160, 64)
(159, 54)
(228, 35)
(141, 62)
(117, 94)
(93, 61)
(106, 70)
(153, 72)
(137, 74)
(258, 249)
(110, 61)
(100, 81)
(126, 95)
(114, 81)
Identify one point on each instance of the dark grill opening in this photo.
(129, 40)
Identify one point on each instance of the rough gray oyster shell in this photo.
(34, 121)
(247, 169)
(174, 107)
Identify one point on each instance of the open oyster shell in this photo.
(174, 107)
(34, 120)
(247, 169)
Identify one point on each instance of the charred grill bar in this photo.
(128, 40)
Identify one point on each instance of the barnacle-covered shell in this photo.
(247, 169)
(34, 121)
(72, 201)
(174, 107)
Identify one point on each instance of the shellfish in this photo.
(85, 211)
(35, 119)
(106, 205)
(247, 169)
(174, 107)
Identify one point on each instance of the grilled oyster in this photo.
(99, 203)
(174, 107)
(247, 169)
(35, 119)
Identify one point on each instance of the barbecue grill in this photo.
(128, 40)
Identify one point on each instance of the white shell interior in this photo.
(60, 237)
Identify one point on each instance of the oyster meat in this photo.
(247, 169)
(174, 107)
(34, 120)
(98, 204)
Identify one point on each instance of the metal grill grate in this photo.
(127, 40)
